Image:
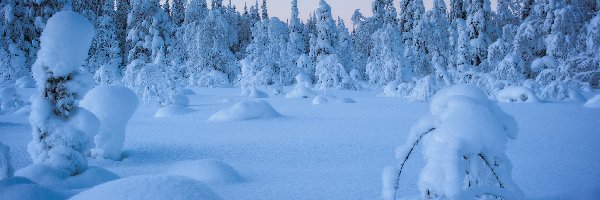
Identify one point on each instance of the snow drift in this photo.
(517, 94)
(246, 110)
(150, 187)
(206, 171)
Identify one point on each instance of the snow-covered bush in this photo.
(61, 129)
(302, 88)
(517, 94)
(558, 91)
(6, 169)
(329, 98)
(113, 105)
(464, 142)
(246, 110)
(150, 187)
(206, 171)
(9, 99)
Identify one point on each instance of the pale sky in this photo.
(342, 8)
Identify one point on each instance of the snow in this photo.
(246, 110)
(329, 98)
(172, 111)
(6, 169)
(180, 100)
(62, 49)
(150, 187)
(114, 106)
(25, 189)
(206, 171)
(594, 102)
(253, 92)
(25, 82)
(517, 94)
(55, 178)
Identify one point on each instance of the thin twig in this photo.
(396, 186)
(491, 169)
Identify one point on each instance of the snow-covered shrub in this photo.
(150, 187)
(254, 92)
(9, 99)
(6, 169)
(511, 68)
(594, 102)
(245, 110)
(464, 142)
(558, 91)
(517, 94)
(543, 63)
(211, 78)
(107, 74)
(113, 105)
(302, 88)
(206, 171)
(61, 129)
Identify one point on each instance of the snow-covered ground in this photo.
(335, 150)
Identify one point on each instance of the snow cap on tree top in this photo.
(65, 42)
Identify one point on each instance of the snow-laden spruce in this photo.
(61, 129)
(463, 142)
(113, 105)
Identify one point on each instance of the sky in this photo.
(341, 8)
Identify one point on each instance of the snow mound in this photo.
(255, 93)
(328, 98)
(180, 100)
(172, 110)
(186, 92)
(150, 187)
(9, 99)
(25, 189)
(114, 106)
(517, 94)
(594, 102)
(300, 91)
(25, 82)
(56, 178)
(207, 171)
(246, 110)
(73, 45)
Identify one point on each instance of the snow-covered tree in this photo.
(502, 47)
(330, 72)
(106, 59)
(265, 12)
(346, 47)
(17, 42)
(479, 28)
(411, 12)
(297, 43)
(507, 13)
(123, 8)
(457, 10)
(464, 142)
(386, 62)
(61, 129)
(178, 12)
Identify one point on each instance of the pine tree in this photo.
(457, 10)
(123, 9)
(478, 26)
(17, 45)
(411, 12)
(265, 12)
(297, 44)
(106, 59)
(178, 12)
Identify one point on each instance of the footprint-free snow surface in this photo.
(334, 151)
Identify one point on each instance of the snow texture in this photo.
(51, 177)
(114, 106)
(206, 171)
(172, 110)
(150, 187)
(25, 189)
(517, 94)
(246, 110)
(594, 102)
(329, 98)
(25, 82)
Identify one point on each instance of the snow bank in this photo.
(328, 98)
(150, 187)
(464, 142)
(180, 100)
(172, 110)
(206, 171)
(246, 110)
(6, 169)
(63, 49)
(55, 178)
(517, 94)
(25, 189)
(25, 82)
(254, 93)
(114, 106)
(594, 102)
